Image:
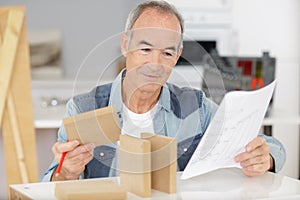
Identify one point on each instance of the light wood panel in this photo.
(16, 105)
(135, 165)
(163, 162)
(89, 189)
(100, 126)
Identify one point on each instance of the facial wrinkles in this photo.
(152, 70)
(165, 22)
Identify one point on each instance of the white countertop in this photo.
(228, 183)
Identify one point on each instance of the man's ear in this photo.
(124, 43)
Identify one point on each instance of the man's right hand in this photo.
(76, 158)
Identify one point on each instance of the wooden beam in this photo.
(17, 139)
(8, 53)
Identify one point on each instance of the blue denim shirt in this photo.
(183, 113)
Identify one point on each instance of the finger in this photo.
(259, 151)
(248, 155)
(251, 173)
(257, 167)
(76, 165)
(61, 147)
(264, 159)
(73, 170)
(89, 148)
(80, 158)
(256, 142)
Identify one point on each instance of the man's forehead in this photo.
(156, 37)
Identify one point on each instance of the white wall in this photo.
(274, 25)
(84, 24)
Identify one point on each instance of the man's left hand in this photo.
(256, 160)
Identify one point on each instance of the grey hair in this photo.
(159, 5)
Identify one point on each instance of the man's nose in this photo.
(155, 57)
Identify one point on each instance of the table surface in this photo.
(228, 183)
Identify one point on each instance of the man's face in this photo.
(151, 49)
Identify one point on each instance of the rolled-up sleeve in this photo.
(277, 151)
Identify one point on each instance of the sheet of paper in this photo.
(235, 124)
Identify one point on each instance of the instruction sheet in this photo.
(236, 122)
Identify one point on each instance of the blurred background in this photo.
(74, 46)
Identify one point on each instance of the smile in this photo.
(151, 77)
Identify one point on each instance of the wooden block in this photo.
(89, 189)
(163, 162)
(135, 165)
(99, 126)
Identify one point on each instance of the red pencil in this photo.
(63, 155)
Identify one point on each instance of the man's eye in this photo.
(146, 50)
(169, 54)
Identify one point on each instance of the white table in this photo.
(220, 184)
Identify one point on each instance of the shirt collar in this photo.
(164, 99)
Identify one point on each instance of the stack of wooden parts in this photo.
(146, 163)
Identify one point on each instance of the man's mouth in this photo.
(151, 77)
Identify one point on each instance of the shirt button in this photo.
(185, 149)
(101, 154)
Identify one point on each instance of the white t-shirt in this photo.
(134, 124)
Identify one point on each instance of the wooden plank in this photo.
(8, 52)
(100, 126)
(163, 162)
(20, 92)
(17, 138)
(135, 165)
(89, 189)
